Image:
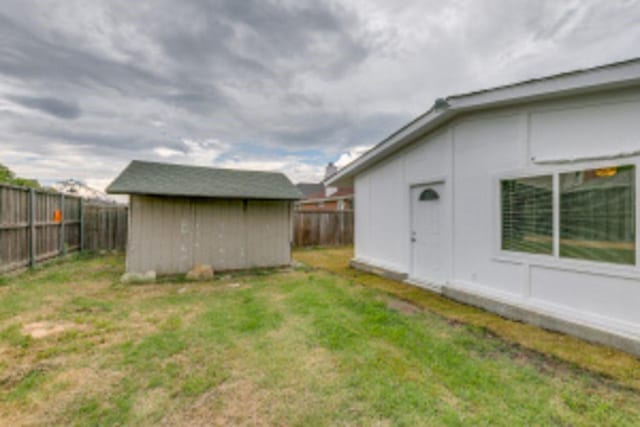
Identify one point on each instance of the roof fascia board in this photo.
(552, 87)
(401, 138)
(582, 81)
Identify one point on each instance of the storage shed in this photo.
(180, 216)
(522, 199)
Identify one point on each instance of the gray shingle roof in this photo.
(194, 181)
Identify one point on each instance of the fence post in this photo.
(32, 227)
(81, 232)
(63, 217)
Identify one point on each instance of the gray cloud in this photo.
(30, 57)
(334, 132)
(201, 80)
(55, 107)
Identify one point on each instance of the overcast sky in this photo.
(87, 86)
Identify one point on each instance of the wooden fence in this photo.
(105, 227)
(323, 228)
(36, 225)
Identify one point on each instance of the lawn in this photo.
(301, 346)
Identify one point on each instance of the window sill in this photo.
(569, 264)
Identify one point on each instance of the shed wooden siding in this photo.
(170, 235)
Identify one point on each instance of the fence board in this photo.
(105, 227)
(30, 230)
(323, 228)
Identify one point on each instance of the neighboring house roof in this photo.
(341, 193)
(323, 200)
(194, 181)
(308, 188)
(611, 76)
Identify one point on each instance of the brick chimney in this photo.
(330, 170)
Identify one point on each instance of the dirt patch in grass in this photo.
(87, 377)
(243, 404)
(404, 307)
(236, 402)
(16, 374)
(43, 329)
(78, 382)
(147, 405)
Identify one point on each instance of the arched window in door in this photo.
(428, 195)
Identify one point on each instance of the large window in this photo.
(597, 214)
(527, 214)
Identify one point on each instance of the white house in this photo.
(521, 199)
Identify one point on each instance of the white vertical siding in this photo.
(382, 201)
(481, 148)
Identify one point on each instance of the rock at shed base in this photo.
(148, 277)
(200, 272)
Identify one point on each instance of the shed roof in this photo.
(165, 179)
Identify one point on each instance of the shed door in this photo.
(426, 233)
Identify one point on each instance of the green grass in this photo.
(620, 366)
(293, 347)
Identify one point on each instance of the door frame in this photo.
(434, 181)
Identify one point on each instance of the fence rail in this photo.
(323, 228)
(36, 225)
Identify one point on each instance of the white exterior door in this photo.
(426, 233)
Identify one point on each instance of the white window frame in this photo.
(554, 260)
